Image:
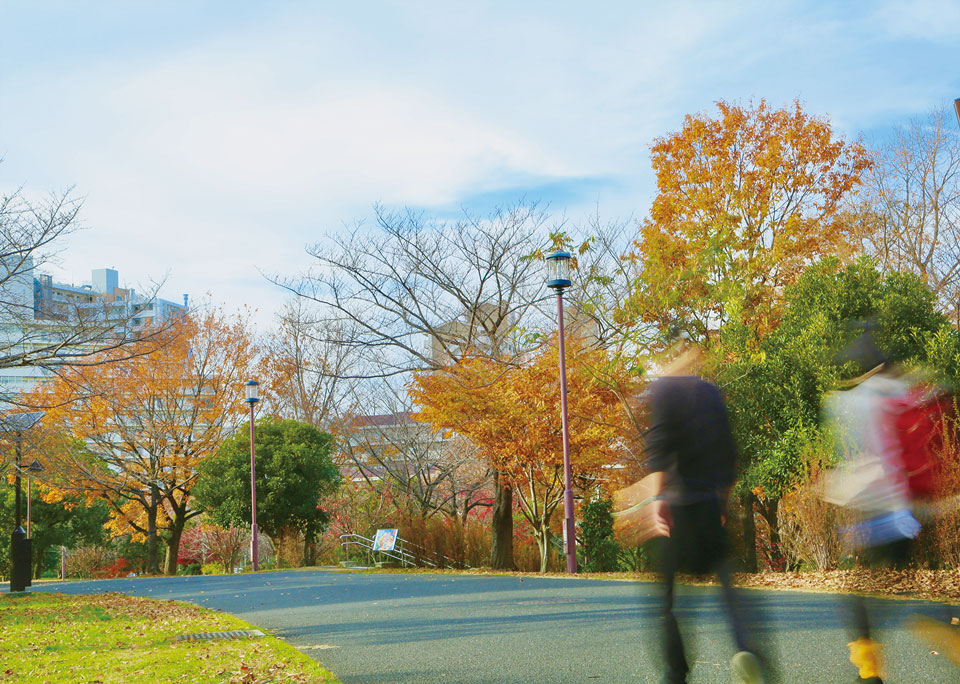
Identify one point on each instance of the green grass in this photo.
(113, 639)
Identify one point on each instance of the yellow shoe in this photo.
(865, 654)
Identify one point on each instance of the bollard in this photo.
(19, 560)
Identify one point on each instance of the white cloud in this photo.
(214, 156)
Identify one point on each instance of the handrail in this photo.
(399, 554)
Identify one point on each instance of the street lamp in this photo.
(558, 278)
(20, 553)
(251, 388)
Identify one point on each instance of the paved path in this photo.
(420, 629)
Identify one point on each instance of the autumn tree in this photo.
(140, 427)
(417, 294)
(745, 200)
(914, 195)
(512, 414)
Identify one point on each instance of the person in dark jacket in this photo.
(692, 462)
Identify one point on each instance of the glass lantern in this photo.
(558, 269)
(251, 387)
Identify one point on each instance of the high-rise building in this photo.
(35, 306)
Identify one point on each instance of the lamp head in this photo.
(35, 467)
(252, 391)
(558, 269)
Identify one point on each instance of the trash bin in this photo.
(19, 560)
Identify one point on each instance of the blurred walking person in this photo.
(870, 481)
(692, 463)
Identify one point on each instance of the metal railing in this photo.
(401, 552)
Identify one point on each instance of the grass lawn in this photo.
(111, 638)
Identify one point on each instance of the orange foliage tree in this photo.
(132, 432)
(745, 200)
(512, 414)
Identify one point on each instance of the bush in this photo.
(119, 568)
(86, 561)
(597, 548)
(191, 569)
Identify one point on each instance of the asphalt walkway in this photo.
(421, 629)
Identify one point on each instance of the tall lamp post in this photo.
(252, 397)
(20, 571)
(33, 469)
(558, 278)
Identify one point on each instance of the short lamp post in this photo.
(558, 278)
(252, 397)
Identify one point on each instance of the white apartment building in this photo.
(40, 302)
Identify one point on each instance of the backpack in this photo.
(921, 425)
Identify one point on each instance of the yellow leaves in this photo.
(512, 413)
(745, 199)
(116, 429)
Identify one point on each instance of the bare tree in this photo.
(914, 195)
(38, 333)
(389, 447)
(417, 295)
(305, 363)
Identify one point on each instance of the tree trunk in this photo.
(153, 556)
(173, 547)
(543, 542)
(749, 533)
(309, 549)
(771, 513)
(153, 552)
(501, 548)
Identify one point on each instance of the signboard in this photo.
(385, 540)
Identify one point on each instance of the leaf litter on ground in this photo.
(114, 639)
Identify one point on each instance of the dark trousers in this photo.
(696, 545)
(891, 555)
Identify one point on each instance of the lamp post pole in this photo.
(18, 450)
(252, 398)
(34, 467)
(20, 570)
(558, 264)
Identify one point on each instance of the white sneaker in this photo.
(746, 669)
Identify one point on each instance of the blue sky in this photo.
(214, 140)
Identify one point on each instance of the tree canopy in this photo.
(294, 472)
(512, 415)
(745, 200)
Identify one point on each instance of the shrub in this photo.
(598, 549)
(85, 562)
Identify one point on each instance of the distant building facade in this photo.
(38, 300)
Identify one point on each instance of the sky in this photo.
(212, 142)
